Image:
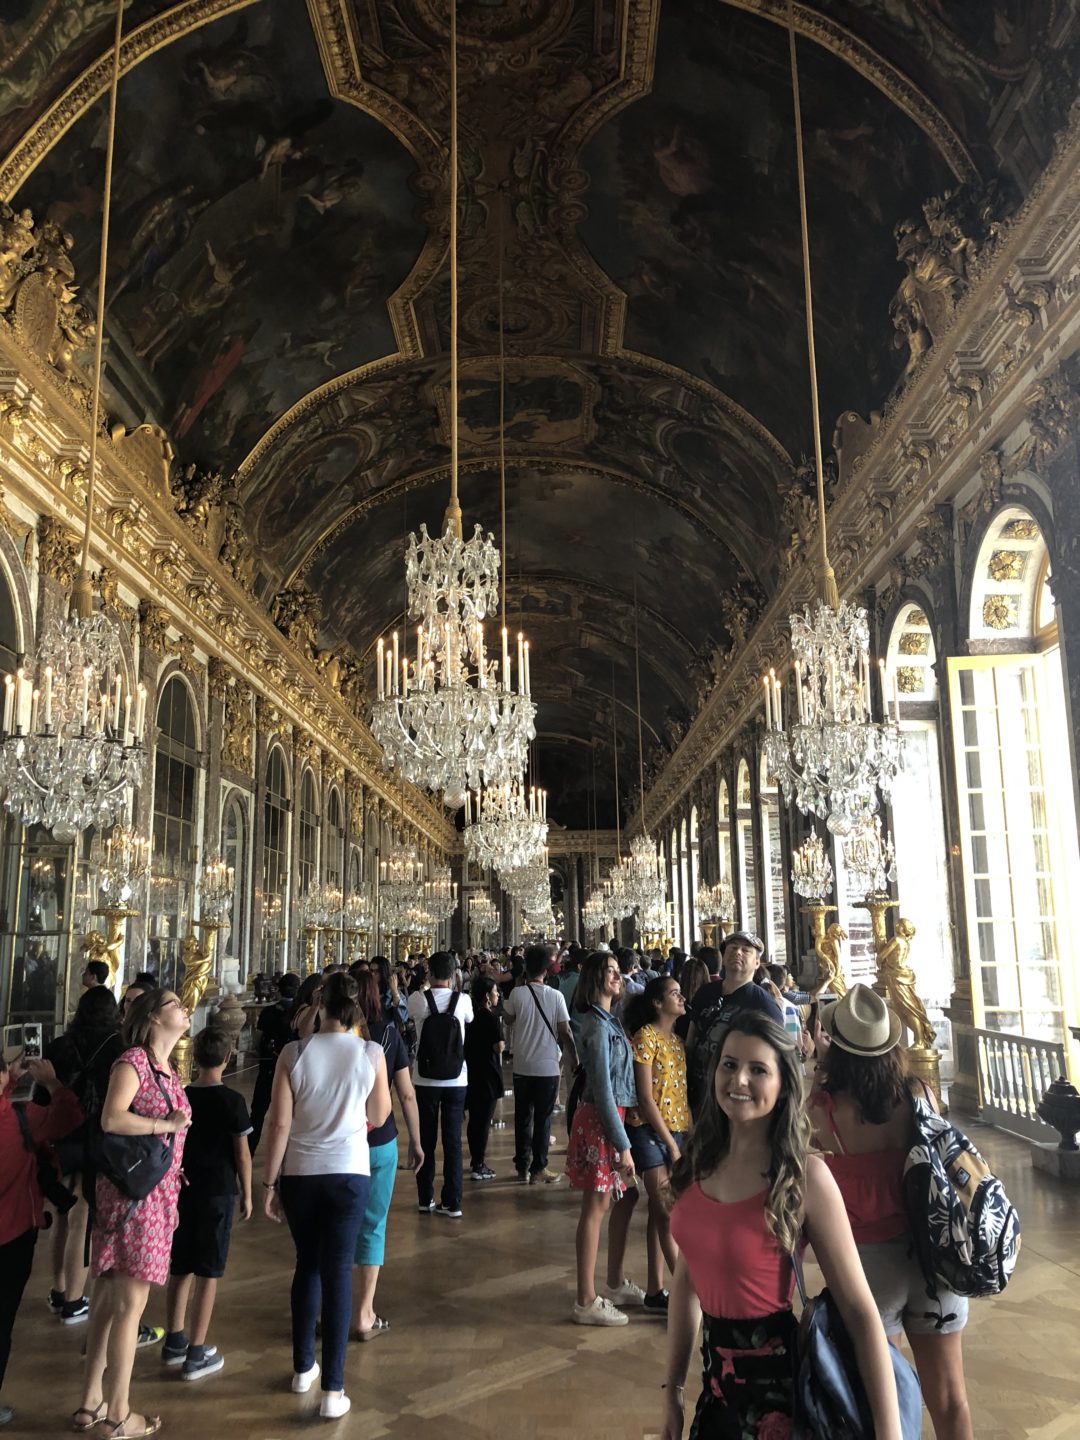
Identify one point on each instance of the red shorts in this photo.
(591, 1159)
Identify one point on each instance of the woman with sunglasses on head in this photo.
(132, 1240)
(746, 1193)
(862, 1119)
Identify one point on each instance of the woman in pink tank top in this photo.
(745, 1194)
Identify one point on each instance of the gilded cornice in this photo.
(930, 441)
(874, 68)
(88, 87)
(141, 539)
(581, 842)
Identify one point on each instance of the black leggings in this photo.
(16, 1262)
(481, 1107)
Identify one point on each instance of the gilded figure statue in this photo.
(94, 946)
(898, 978)
(197, 966)
(827, 949)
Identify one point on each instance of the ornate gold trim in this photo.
(152, 35)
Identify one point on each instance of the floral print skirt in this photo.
(591, 1159)
(747, 1383)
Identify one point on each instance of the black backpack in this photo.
(707, 1037)
(965, 1230)
(441, 1052)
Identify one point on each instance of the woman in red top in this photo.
(861, 1114)
(746, 1193)
(22, 1207)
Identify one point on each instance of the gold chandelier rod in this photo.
(82, 595)
(827, 590)
(452, 519)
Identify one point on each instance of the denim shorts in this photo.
(648, 1150)
(899, 1290)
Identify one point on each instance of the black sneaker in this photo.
(656, 1304)
(486, 1173)
(55, 1301)
(207, 1360)
(149, 1335)
(75, 1312)
(174, 1350)
(448, 1212)
(425, 1209)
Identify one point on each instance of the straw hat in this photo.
(861, 1023)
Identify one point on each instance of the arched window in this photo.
(309, 834)
(695, 872)
(9, 628)
(335, 840)
(175, 818)
(275, 875)
(234, 851)
(1017, 817)
(746, 890)
(723, 831)
(772, 852)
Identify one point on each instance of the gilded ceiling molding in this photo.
(883, 75)
(88, 87)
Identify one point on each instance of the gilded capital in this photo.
(219, 678)
(153, 627)
(58, 550)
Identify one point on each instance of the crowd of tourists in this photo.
(756, 1120)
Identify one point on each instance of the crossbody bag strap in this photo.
(543, 1013)
(796, 1265)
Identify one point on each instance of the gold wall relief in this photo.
(58, 550)
(912, 642)
(1022, 529)
(1001, 612)
(1007, 565)
(154, 623)
(910, 680)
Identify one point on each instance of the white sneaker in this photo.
(334, 1406)
(303, 1380)
(625, 1294)
(600, 1312)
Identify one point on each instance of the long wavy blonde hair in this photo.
(789, 1133)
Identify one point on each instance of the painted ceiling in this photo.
(278, 293)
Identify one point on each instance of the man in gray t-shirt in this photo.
(541, 1028)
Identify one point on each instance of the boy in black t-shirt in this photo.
(216, 1155)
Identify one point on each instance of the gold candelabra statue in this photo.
(198, 958)
(119, 864)
(107, 947)
(812, 876)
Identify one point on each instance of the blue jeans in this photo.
(324, 1214)
(371, 1243)
(445, 1102)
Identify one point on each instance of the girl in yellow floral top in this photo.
(659, 1125)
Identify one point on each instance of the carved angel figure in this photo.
(16, 242)
(94, 946)
(899, 981)
(197, 965)
(827, 949)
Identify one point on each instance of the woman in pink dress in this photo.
(132, 1240)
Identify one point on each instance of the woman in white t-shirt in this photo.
(329, 1090)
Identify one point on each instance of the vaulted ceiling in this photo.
(278, 296)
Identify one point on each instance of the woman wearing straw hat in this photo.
(862, 1119)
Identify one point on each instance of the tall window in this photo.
(687, 904)
(746, 889)
(175, 817)
(275, 876)
(1018, 823)
(695, 873)
(234, 852)
(772, 852)
(309, 834)
(676, 899)
(335, 840)
(723, 831)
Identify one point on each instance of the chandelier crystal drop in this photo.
(834, 758)
(811, 870)
(505, 826)
(71, 751)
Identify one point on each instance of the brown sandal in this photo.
(95, 1418)
(152, 1426)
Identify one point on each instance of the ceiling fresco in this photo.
(278, 294)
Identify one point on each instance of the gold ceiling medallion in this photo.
(1007, 565)
(1001, 612)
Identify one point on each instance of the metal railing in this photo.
(1015, 1072)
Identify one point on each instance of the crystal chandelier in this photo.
(715, 903)
(540, 922)
(870, 859)
(440, 894)
(451, 719)
(505, 826)
(638, 883)
(811, 870)
(217, 884)
(357, 911)
(71, 750)
(401, 888)
(320, 907)
(594, 913)
(833, 758)
(484, 917)
(121, 862)
(529, 884)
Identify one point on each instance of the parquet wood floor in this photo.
(481, 1346)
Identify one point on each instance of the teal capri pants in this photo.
(371, 1242)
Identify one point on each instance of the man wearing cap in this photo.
(735, 990)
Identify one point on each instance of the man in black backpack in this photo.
(440, 1015)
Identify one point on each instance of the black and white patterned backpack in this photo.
(965, 1230)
